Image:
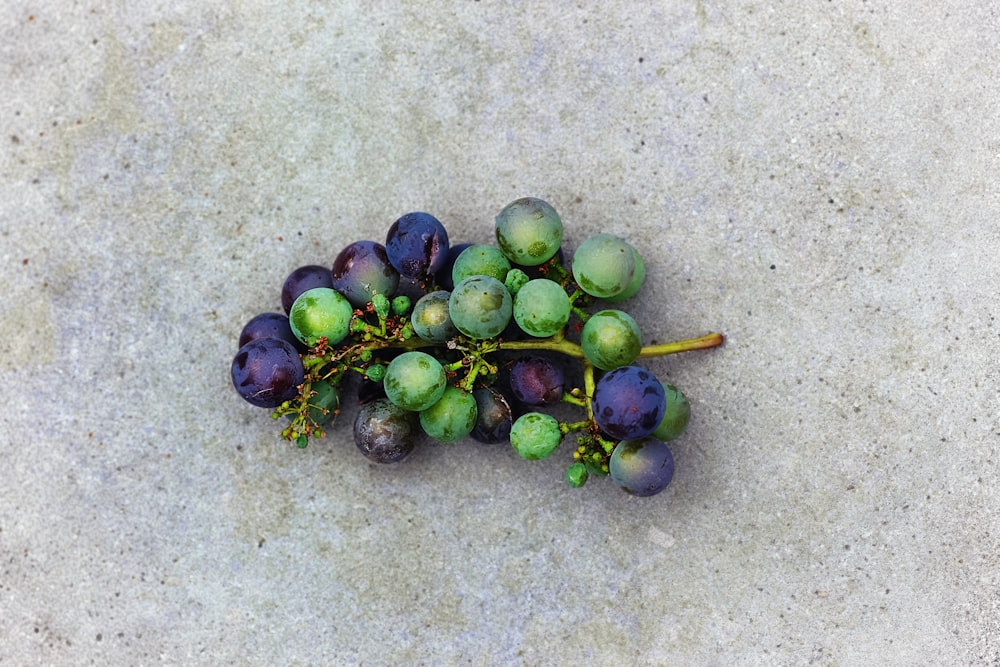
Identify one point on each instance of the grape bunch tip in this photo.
(457, 341)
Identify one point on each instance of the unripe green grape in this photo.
(535, 435)
(431, 319)
(603, 265)
(529, 231)
(414, 381)
(401, 305)
(480, 260)
(611, 338)
(452, 417)
(320, 312)
(480, 307)
(677, 416)
(541, 308)
(637, 279)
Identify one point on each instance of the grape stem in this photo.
(571, 349)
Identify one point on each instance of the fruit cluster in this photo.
(472, 340)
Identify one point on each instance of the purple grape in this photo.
(362, 269)
(417, 245)
(642, 467)
(267, 372)
(384, 432)
(629, 403)
(494, 416)
(536, 380)
(270, 325)
(303, 279)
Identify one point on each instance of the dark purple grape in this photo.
(536, 380)
(301, 280)
(642, 467)
(628, 403)
(363, 269)
(270, 325)
(384, 432)
(494, 416)
(267, 372)
(443, 276)
(417, 245)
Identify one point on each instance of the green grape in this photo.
(535, 435)
(603, 265)
(677, 416)
(431, 320)
(452, 417)
(610, 339)
(529, 231)
(480, 260)
(541, 308)
(637, 279)
(414, 381)
(480, 307)
(320, 312)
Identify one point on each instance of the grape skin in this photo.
(529, 231)
(452, 417)
(494, 416)
(270, 325)
(266, 372)
(628, 403)
(320, 312)
(480, 307)
(480, 260)
(362, 269)
(535, 435)
(536, 380)
(610, 339)
(431, 318)
(417, 245)
(384, 432)
(541, 308)
(642, 467)
(676, 416)
(603, 265)
(414, 381)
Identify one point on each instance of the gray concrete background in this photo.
(817, 181)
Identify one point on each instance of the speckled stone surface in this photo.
(817, 181)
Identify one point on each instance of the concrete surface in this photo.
(816, 180)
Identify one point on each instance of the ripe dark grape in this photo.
(384, 432)
(642, 467)
(301, 280)
(363, 269)
(494, 416)
(536, 380)
(270, 325)
(267, 372)
(628, 403)
(417, 245)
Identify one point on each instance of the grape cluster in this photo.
(472, 340)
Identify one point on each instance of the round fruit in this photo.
(480, 307)
(453, 416)
(642, 467)
(535, 435)
(385, 433)
(269, 325)
(417, 245)
(610, 339)
(302, 279)
(493, 416)
(536, 380)
(628, 403)
(320, 312)
(529, 231)
(414, 381)
(541, 308)
(267, 372)
(363, 269)
(431, 319)
(603, 265)
(637, 279)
